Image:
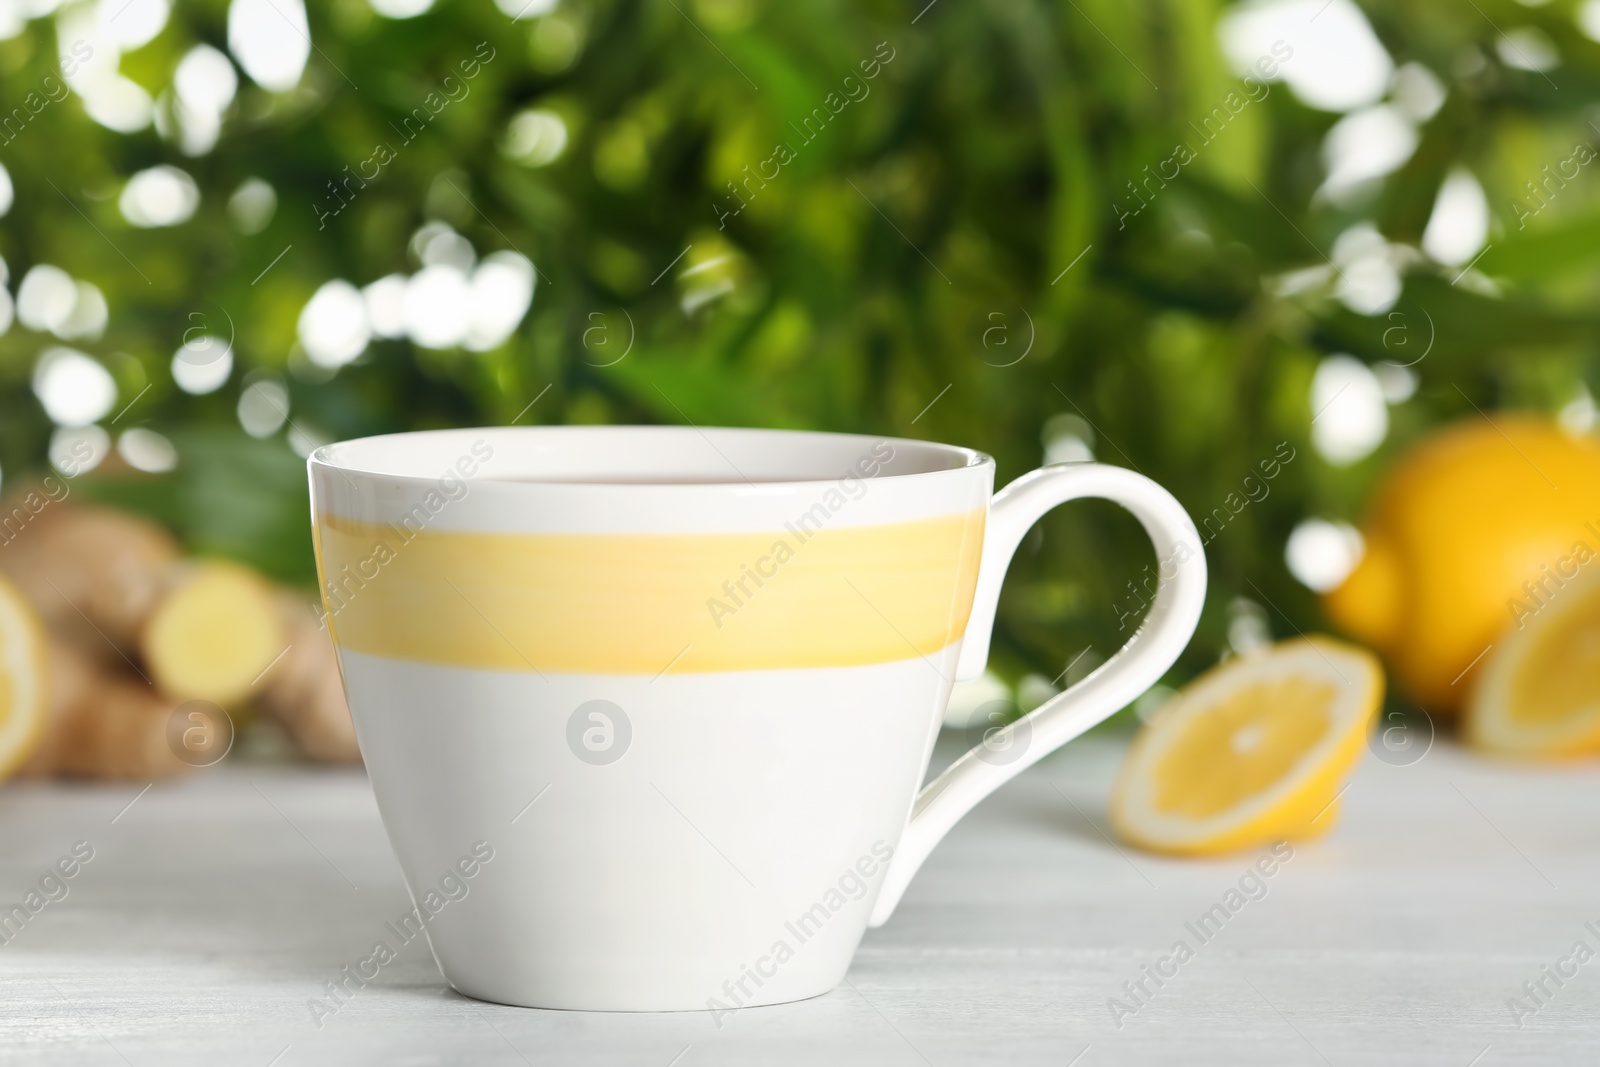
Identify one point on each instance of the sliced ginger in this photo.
(1252, 751)
(213, 634)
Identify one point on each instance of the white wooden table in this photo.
(216, 906)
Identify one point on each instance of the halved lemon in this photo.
(1538, 693)
(1251, 751)
(23, 708)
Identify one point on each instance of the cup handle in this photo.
(1138, 665)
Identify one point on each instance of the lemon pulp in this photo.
(1243, 746)
(1560, 676)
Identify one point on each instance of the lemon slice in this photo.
(1251, 751)
(1539, 691)
(23, 709)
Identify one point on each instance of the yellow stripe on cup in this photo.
(646, 603)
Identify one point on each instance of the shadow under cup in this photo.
(666, 693)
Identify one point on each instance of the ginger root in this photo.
(304, 690)
(103, 724)
(95, 574)
(119, 598)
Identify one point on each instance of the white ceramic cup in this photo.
(646, 709)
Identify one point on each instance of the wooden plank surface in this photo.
(215, 907)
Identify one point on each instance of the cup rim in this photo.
(964, 459)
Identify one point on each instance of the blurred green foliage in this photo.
(862, 288)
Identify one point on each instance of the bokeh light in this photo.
(159, 196)
(401, 9)
(76, 450)
(1459, 225)
(438, 307)
(1321, 554)
(386, 306)
(131, 24)
(333, 327)
(263, 407)
(1365, 145)
(1338, 63)
(45, 298)
(146, 450)
(203, 364)
(502, 292)
(535, 138)
(1351, 418)
(271, 40)
(252, 206)
(74, 389)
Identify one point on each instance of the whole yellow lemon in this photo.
(1473, 531)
